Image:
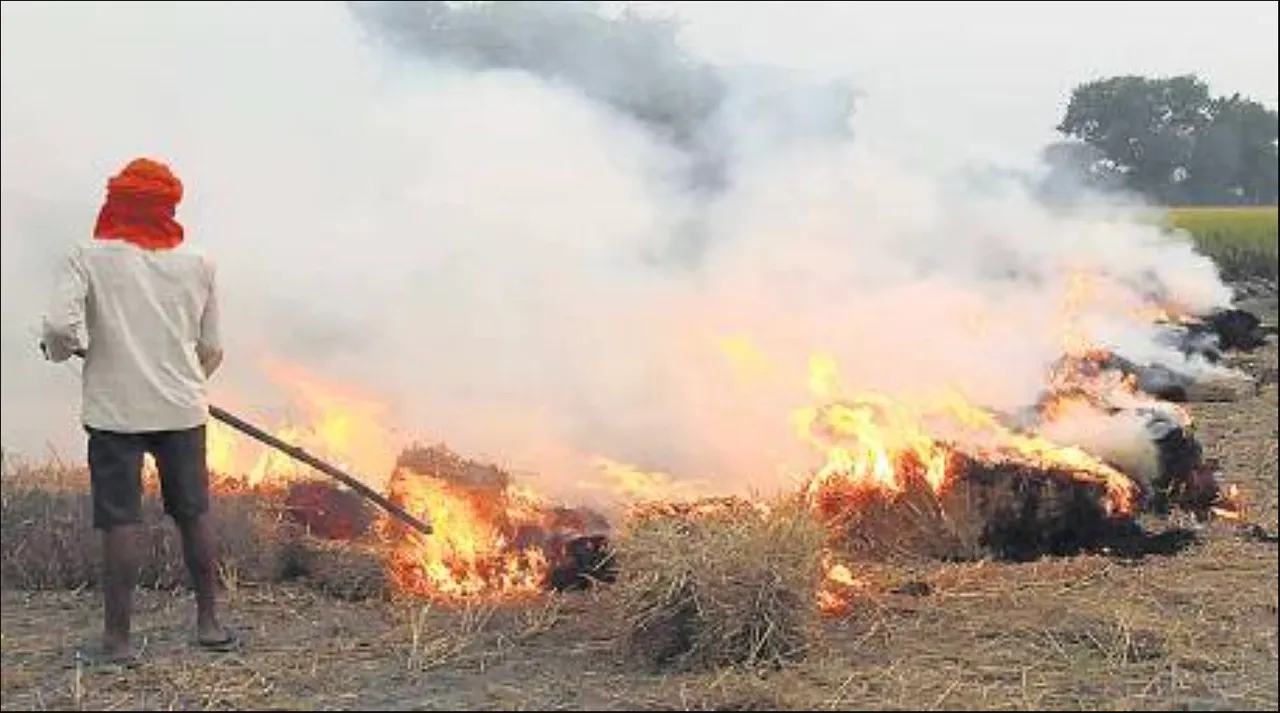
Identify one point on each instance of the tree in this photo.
(1237, 154)
(1169, 139)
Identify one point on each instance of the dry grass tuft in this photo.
(47, 542)
(719, 587)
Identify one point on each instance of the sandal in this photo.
(100, 661)
(229, 642)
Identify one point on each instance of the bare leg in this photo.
(120, 576)
(184, 483)
(198, 550)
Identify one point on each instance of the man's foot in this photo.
(217, 638)
(115, 646)
(107, 657)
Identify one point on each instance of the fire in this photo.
(472, 549)
(1230, 504)
(872, 445)
(745, 360)
(867, 441)
(629, 483)
(835, 594)
(1163, 310)
(1087, 294)
(489, 537)
(871, 442)
(1089, 381)
(220, 448)
(494, 539)
(1080, 293)
(338, 425)
(1088, 376)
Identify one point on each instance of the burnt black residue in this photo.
(1235, 329)
(1030, 515)
(1141, 543)
(1209, 337)
(583, 562)
(1021, 513)
(1185, 480)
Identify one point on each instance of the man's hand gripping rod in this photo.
(297, 453)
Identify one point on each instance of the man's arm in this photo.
(209, 344)
(62, 336)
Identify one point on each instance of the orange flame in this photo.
(1084, 382)
(1230, 505)
(870, 441)
(471, 549)
(838, 588)
(338, 425)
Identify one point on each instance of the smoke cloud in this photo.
(540, 248)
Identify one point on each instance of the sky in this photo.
(997, 74)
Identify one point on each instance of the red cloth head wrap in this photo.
(141, 203)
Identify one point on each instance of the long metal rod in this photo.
(257, 433)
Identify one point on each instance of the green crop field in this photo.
(1243, 241)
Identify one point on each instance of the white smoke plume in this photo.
(484, 247)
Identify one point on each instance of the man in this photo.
(142, 309)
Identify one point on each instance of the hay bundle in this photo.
(439, 462)
(725, 585)
(1001, 510)
(913, 524)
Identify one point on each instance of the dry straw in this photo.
(719, 585)
(47, 542)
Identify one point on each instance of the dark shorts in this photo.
(115, 474)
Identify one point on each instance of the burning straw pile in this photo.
(999, 510)
(717, 582)
(492, 538)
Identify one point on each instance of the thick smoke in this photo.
(631, 63)
(480, 237)
(634, 65)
